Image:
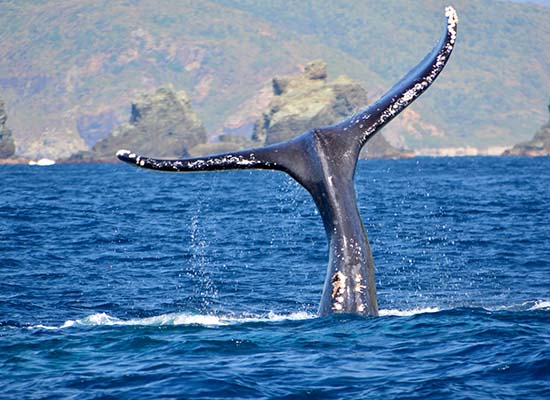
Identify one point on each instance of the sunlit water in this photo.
(121, 283)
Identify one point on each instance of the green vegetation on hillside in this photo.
(63, 61)
(495, 84)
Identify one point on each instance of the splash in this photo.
(208, 320)
(177, 319)
(540, 305)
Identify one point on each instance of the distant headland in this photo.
(539, 145)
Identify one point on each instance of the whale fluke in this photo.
(323, 161)
(408, 89)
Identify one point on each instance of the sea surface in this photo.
(129, 284)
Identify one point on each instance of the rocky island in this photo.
(162, 124)
(538, 146)
(308, 101)
(7, 145)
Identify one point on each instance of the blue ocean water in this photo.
(122, 283)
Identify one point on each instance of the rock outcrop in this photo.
(225, 144)
(7, 146)
(308, 101)
(162, 125)
(538, 146)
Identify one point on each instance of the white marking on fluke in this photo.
(406, 98)
(452, 21)
(122, 153)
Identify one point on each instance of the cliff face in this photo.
(538, 146)
(309, 101)
(162, 124)
(7, 146)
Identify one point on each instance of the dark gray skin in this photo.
(323, 161)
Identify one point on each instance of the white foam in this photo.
(408, 313)
(525, 306)
(175, 319)
(540, 305)
(40, 326)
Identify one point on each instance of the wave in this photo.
(175, 319)
(532, 305)
(408, 313)
(207, 320)
(540, 305)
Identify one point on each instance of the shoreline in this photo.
(26, 161)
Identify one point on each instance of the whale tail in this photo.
(353, 133)
(324, 161)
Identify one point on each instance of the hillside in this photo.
(539, 145)
(68, 69)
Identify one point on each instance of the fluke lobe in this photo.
(323, 161)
